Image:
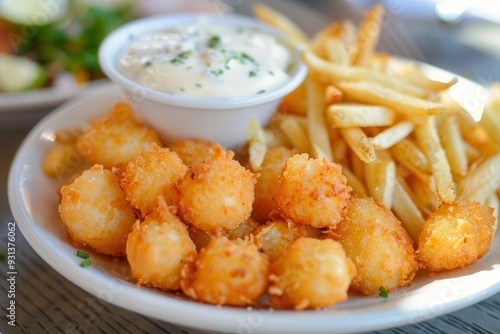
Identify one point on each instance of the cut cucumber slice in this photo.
(20, 73)
(33, 12)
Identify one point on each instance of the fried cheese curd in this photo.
(158, 248)
(273, 162)
(227, 272)
(310, 274)
(274, 237)
(312, 191)
(216, 193)
(95, 211)
(456, 235)
(378, 244)
(113, 140)
(193, 151)
(153, 173)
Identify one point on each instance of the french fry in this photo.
(318, 43)
(406, 210)
(280, 22)
(295, 102)
(357, 166)
(390, 136)
(380, 176)
(412, 73)
(295, 134)
(316, 124)
(257, 143)
(344, 115)
(337, 52)
(482, 181)
(374, 93)
(357, 186)
(423, 195)
(340, 151)
(276, 138)
(332, 95)
(338, 73)
(359, 143)
(428, 139)
(490, 120)
(493, 202)
(368, 36)
(408, 154)
(471, 152)
(453, 144)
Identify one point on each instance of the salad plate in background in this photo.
(63, 51)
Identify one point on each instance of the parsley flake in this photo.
(182, 89)
(217, 72)
(198, 85)
(383, 292)
(214, 42)
(82, 254)
(271, 72)
(251, 74)
(177, 61)
(86, 263)
(185, 55)
(261, 91)
(147, 64)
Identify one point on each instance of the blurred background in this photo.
(50, 46)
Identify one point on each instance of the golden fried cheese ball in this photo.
(378, 244)
(153, 173)
(272, 164)
(312, 191)
(113, 140)
(158, 248)
(456, 235)
(227, 272)
(193, 151)
(311, 273)
(96, 213)
(216, 193)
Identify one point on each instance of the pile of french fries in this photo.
(398, 135)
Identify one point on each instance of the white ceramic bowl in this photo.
(178, 117)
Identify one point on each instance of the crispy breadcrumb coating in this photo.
(94, 209)
(378, 244)
(310, 274)
(153, 173)
(216, 193)
(227, 272)
(158, 248)
(456, 235)
(312, 191)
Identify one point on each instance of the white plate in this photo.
(38, 99)
(34, 203)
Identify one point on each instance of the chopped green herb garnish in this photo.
(82, 254)
(86, 263)
(148, 64)
(176, 61)
(198, 85)
(261, 91)
(189, 67)
(209, 64)
(251, 74)
(214, 42)
(217, 72)
(182, 89)
(271, 72)
(245, 56)
(185, 54)
(383, 292)
(289, 68)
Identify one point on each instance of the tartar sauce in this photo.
(208, 61)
